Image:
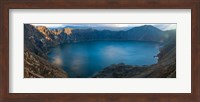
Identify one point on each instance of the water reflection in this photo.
(76, 64)
(57, 60)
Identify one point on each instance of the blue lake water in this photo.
(84, 59)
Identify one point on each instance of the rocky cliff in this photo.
(36, 45)
(37, 67)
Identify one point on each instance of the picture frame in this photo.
(194, 5)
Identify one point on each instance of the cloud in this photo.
(50, 25)
(165, 26)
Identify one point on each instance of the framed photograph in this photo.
(123, 50)
(100, 50)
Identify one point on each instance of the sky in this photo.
(114, 27)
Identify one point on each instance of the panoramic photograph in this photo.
(100, 50)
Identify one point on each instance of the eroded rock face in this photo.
(36, 45)
(37, 67)
(68, 31)
(35, 41)
(42, 29)
(56, 31)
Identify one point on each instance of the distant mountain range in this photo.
(100, 28)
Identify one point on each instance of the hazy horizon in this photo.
(113, 27)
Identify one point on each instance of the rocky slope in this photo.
(35, 64)
(37, 67)
(165, 68)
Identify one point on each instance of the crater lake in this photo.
(84, 59)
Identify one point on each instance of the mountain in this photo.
(142, 33)
(32, 40)
(35, 59)
(94, 26)
(146, 33)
